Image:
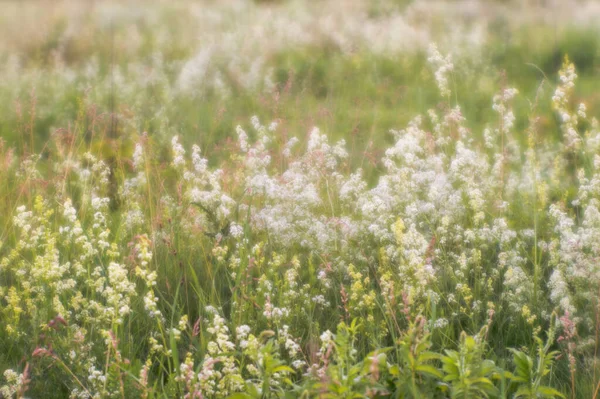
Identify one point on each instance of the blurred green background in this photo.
(354, 69)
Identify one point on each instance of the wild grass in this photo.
(340, 217)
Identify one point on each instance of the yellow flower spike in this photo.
(398, 229)
(384, 259)
(39, 204)
(525, 312)
(295, 262)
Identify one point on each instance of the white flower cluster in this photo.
(14, 383)
(443, 67)
(561, 103)
(286, 237)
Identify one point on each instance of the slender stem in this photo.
(64, 366)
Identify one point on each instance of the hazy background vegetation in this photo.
(104, 75)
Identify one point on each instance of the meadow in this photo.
(299, 199)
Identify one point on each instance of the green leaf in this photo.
(430, 370)
(283, 368)
(426, 356)
(394, 370)
(549, 392)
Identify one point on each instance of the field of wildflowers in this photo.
(287, 199)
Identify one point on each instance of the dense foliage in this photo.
(454, 258)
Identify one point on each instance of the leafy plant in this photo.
(468, 372)
(414, 375)
(529, 372)
(348, 377)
